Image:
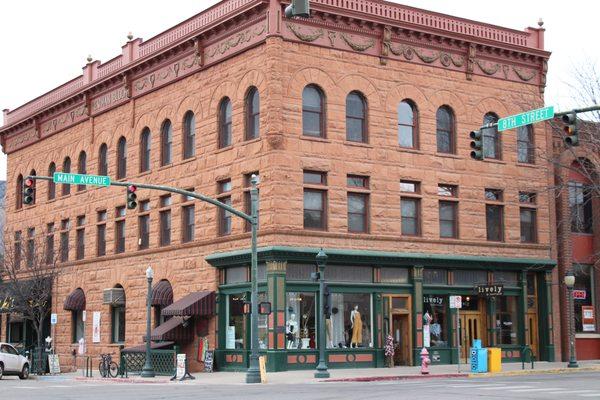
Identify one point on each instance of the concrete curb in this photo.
(535, 372)
(395, 378)
(123, 380)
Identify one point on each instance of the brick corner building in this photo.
(356, 121)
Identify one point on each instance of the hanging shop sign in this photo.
(455, 301)
(490, 290)
(96, 327)
(588, 319)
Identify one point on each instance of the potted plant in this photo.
(389, 351)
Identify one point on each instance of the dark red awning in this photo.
(197, 303)
(172, 330)
(75, 301)
(162, 294)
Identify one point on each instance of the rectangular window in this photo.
(120, 236)
(351, 322)
(80, 253)
(580, 203)
(18, 250)
(469, 277)
(299, 272)
(435, 276)
(189, 223)
(144, 231)
(224, 216)
(507, 278)
(525, 147)
(236, 275)
(101, 234)
(165, 227)
(30, 247)
(435, 311)
(494, 222)
(314, 209)
(527, 197)
(507, 320)
(448, 190)
(315, 178)
(50, 257)
(358, 212)
(410, 209)
(300, 326)
(64, 240)
(393, 275)
(345, 273)
(77, 325)
(410, 187)
(584, 276)
(448, 219)
(528, 225)
(357, 181)
(118, 324)
(120, 212)
(236, 322)
(166, 201)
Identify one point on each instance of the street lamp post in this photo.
(321, 371)
(253, 373)
(569, 283)
(148, 370)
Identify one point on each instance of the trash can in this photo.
(494, 359)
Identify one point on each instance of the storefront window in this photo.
(583, 297)
(507, 320)
(300, 325)
(469, 277)
(343, 273)
(234, 335)
(394, 275)
(299, 272)
(350, 325)
(263, 325)
(507, 278)
(76, 325)
(434, 311)
(236, 275)
(435, 276)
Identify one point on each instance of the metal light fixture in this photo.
(569, 281)
(321, 371)
(148, 370)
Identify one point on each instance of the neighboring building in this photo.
(357, 122)
(578, 227)
(2, 214)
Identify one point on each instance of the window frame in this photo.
(491, 117)
(252, 116)
(66, 168)
(103, 159)
(82, 168)
(455, 230)
(145, 149)
(451, 131)
(189, 135)
(414, 126)
(122, 158)
(101, 216)
(225, 123)
(364, 121)
(166, 143)
(321, 113)
(529, 143)
(534, 223)
(51, 185)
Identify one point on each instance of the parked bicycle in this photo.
(108, 368)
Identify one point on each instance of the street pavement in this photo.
(549, 386)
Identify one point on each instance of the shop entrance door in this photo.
(397, 323)
(472, 325)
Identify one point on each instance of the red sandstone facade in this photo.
(386, 51)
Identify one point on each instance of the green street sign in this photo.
(79, 179)
(526, 118)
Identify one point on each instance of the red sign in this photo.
(579, 294)
(588, 318)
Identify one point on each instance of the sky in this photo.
(45, 43)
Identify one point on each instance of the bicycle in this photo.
(108, 368)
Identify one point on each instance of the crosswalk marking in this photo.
(477, 385)
(563, 391)
(590, 395)
(534, 390)
(506, 387)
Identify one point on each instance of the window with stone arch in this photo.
(225, 123)
(408, 124)
(313, 111)
(81, 168)
(145, 148)
(66, 168)
(121, 158)
(103, 159)
(491, 138)
(356, 117)
(166, 143)
(189, 135)
(445, 130)
(252, 114)
(525, 144)
(51, 184)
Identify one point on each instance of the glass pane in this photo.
(447, 211)
(443, 142)
(434, 311)
(356, 203)
(317, 178)
(311, 99)
(435, 276)
(313, 219)
(494, 222)
(584, 275)
(409, 207)
(466, 277)
(357, 223)
(342, 273)
(236, 326)
(507, 278)
(354, 130)
(409, 226)
(355, 106)
(236, 275)
(409, 187)
(299, 272)
(405, 136)
(507, 320)
(311, 123)
(300, 326)
(313, 200)
(350, 322)
(394, 275)
(405, 114)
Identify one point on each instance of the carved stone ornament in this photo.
(409, 52)
(488, 69)
(65, 119)
(524, 74)
(236, 40)
(471, 61)
(355, 45)
(172, 70)
(386, 42)
(543, 76)
(331, 35)
(275, 140)
(306, 37)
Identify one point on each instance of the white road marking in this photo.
(534, 390)
(590, 395)
(563, 391)
(478, 385)
(506, 387)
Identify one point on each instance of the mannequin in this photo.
(291, 331)
(329, 329)
(356, 322)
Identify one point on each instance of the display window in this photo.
(435, 312)
(583, 298)
(236, 321)
(300, 326)
(507, 320)
(350, 324)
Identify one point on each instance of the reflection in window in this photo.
(507, 320)
(236, 324)
(445, 130)
(584, 275)
(300, 325)
(350, 321)
(407, 125)
(263, 325)
(313, 112)
(434, 310)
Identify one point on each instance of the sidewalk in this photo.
(342, 375)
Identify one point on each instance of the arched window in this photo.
(313, 112)
(19, 192)
(145, 142)
(252, 114)
(51, 184)
(446, 138)
(103, 160)
(121, 158)
(225, 123)
(189, 135)
(407, 125)
(525, 145)
(491, 139)
(66, 189)
(356, 117)
(166, 143)
(81, 168)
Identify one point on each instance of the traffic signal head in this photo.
(570, 129)
(131, 197)
(476, 145)
(28, 191)
(298, 8)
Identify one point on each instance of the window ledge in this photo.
(527, 165)
(315, 139)
(494, 161)
(223, 149)
(448, 155)
(167, 166)
(250, 141)
(409, 150)
(358, 144)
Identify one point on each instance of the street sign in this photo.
(526, 118)
(53, 319)
(455, 302)
(80, 179)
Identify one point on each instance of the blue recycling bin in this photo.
(479, 362)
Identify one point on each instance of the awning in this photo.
(162, 294)
(75, 301)
(142, 347)
(197, 303)
(172, 329)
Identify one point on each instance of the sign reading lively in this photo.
(490, 290)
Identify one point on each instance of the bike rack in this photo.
(524, 351)
(88, 367)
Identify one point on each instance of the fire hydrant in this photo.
(425, 361)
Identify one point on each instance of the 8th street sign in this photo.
(79, 179)
(526, 118)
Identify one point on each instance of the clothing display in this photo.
(356, 320)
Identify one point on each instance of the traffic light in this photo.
(476, 145)
(131, 197)
(298, 8)
(28, 191)
(570, 128)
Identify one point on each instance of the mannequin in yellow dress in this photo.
(356, 321)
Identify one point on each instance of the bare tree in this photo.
(29, 271)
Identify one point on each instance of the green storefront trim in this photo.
(281, 359)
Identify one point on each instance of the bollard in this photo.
(425, 361)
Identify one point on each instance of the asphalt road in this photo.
(579, 386)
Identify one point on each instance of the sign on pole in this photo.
(53, 319)
(455, 302)
(80, 179)
(526, 118)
